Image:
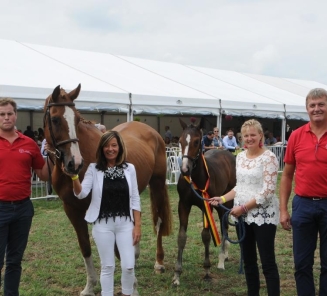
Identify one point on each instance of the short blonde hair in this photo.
(254, 123)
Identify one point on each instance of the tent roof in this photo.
(30, 73)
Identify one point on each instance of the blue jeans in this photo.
(263, 237)
(15, 224)
(309, 218)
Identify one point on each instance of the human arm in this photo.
(285, 189)
(218, 200)
(136, 207)
(82, 190)
(137, 227)
(43, 173)
(264, 172)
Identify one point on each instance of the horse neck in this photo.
(199, 173)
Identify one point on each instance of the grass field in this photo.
(53, 264)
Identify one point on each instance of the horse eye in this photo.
(196, 143)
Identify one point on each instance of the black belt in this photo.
(314, 197)
(14, 202)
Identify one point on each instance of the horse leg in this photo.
(161, 214)
(223, 254)
(77, 219)
(206, 238)
(183, 213)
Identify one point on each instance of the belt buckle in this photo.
(316, 198)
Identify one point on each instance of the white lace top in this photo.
(257, 178)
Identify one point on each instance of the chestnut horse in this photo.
(211, 174)
(73, 141)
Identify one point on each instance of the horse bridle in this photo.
(56, 144)
(193, 159)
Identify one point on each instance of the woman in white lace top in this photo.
(254, 198)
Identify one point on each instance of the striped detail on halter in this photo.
(208, 219)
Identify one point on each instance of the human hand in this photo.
(237, 211)
(215, 201)
(66, 173)
(285, 220)
(136, 235)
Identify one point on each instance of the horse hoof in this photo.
(207, 278)
(175, 284)
(159, 269)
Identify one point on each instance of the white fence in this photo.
(173, 154)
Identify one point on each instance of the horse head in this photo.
(191, 146)
(60, 126)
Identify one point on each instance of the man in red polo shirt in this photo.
(18, 155)
(306, 153)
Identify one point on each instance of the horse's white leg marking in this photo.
(74, 148)
(185, 160)
(91, 279)
(158, 266)
(223, 254)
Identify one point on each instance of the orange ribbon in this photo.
(208, 220)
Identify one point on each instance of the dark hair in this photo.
(101, 161)
(210, 133)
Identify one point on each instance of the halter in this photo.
(194, 160)
(56, 144)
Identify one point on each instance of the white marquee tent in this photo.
(29, 73)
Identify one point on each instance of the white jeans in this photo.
(105, 236)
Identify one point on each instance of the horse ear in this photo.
(55, 93)
(75, 92)
(201, 124)
(183, 124)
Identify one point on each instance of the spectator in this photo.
(168, 133)
(167, 142)
(29, 133)
(271, 140)
(40, 132)
(207, 142)
(240, 142)
(217, 141)
(230, 141)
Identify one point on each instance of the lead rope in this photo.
(225, 220)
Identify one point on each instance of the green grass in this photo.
(53, 264)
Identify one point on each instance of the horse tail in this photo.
(160, 206)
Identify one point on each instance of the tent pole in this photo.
(284, 126)
(130, 109)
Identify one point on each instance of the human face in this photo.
(317, 109)
(8, 118)
(230, 135)
(251, 137)
(216, 132)
(111, 150)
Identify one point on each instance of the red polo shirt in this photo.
(16, 161)
(310, 158)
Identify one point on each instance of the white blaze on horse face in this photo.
(69, 115)
(185, 152)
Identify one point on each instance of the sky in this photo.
(282, 38)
